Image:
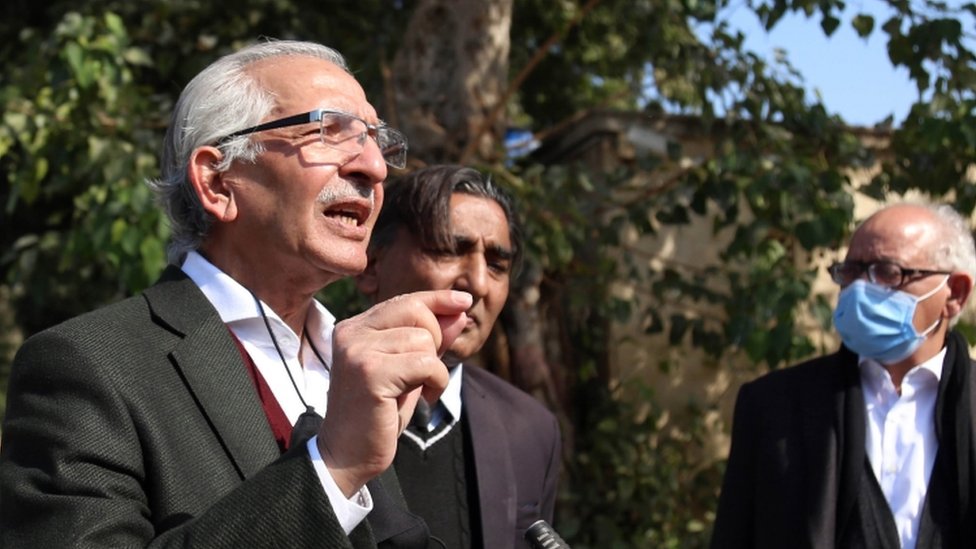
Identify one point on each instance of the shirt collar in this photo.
(451, 397)
(874, 373)
(234, 303)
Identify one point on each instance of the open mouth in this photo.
(353, 215)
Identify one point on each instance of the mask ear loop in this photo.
(922, 298)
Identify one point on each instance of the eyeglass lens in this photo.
(879, 272)
(348, 134)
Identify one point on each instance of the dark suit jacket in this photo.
(783, 475)
(136, 425)
(517, 447)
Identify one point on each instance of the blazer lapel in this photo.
(214, 372)
(833, 461)
(493, 465)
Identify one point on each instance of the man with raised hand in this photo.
(191, 415)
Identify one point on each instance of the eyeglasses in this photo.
(883, 273)
(343, 132)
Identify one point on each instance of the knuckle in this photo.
(422, 340)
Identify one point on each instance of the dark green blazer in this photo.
(136, 425)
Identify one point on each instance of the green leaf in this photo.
(137, 56)
(114, 24)
(119, 227)
(153, 255)
(829, 24)
(76, 60)
(41, 166)
(863, 24)
(17, 121)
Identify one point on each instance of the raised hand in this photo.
(383, 361)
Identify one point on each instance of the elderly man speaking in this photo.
(191, 415)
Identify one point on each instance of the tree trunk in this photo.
(450, 72)
(448, 78)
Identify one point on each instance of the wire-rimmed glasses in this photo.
(343, 132)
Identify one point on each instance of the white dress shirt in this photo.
(900, 437)
(450, 400)
(239, 310)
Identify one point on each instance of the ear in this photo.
(216, 197)
(367, 281)
(960, 287)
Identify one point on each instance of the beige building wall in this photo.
(683, 378)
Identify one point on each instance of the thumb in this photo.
(448, 307)
(451, 327)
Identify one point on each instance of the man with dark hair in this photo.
(871, 446)
(483, 465)
(191, 415)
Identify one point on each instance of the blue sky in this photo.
(854, 76)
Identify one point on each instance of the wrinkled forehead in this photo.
(901, 235)
(300, 83)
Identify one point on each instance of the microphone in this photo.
(541, 536)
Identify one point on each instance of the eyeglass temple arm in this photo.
(313, 116)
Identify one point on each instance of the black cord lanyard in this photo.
(312, 346)
(308, 422)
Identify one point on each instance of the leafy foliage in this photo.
(647, 472)
(76, 130)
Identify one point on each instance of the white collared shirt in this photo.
(239, 310)
(900, 438)
(450, 400)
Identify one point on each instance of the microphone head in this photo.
(541, 536)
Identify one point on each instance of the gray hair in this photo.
(956, 250)
(220, 100)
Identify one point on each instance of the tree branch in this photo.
(516, 83)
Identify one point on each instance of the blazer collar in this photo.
(213, 370)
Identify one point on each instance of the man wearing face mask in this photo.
(872, 446)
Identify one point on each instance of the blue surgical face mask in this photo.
(876, 322)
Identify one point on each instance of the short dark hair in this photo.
(421, 203)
